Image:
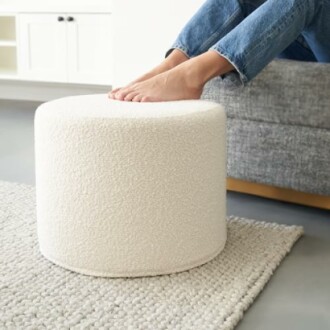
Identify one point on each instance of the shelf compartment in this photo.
(7, 28)
(8, 62)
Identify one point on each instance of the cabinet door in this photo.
(90, 48)
(42, 47)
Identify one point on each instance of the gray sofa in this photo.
(278, 125)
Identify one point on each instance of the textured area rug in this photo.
(36, 294)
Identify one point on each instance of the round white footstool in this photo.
(129, 189)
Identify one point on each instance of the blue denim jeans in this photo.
(251, 33)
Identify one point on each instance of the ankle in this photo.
(209, 65)
(175, 58)
(191, 74)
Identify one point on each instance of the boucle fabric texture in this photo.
(130, 189)
(286, 92)
(278, 125)
(37, 294)
(280, 155)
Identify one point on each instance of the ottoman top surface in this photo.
(99, 105)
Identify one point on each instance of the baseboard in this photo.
(41, 91)
(277, 193)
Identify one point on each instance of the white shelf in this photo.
(7, 43)
(8, 74)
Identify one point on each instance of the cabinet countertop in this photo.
(88, 9)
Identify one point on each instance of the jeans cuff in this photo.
(244, 79)
(180, 47)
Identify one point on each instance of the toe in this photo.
(145, 99)
(120, 95)
(130, 96)
(113, 92)
(123, 92)
(137, 98)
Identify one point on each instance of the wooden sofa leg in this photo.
(281, 194)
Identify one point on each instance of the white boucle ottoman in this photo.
(126, 189)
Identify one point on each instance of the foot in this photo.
(175, 58)
(167, 86)
(184, 81)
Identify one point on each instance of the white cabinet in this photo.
(66, 47)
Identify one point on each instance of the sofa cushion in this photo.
(286, 91)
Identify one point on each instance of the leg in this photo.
(216, 19)
(299, 50)
(265, 33)
(185, 81)
(248, 48)
(213, 20)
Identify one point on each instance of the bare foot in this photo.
(175, 58)
(183, 82)
(169, 85)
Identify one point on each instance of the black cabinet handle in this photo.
(60, 19)
(70, 19)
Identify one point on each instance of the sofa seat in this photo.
(278, 125)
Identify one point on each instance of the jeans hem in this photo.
(183, 49)
(242, 76)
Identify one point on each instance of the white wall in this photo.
(143, 31)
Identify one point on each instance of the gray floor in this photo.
(297, 296)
